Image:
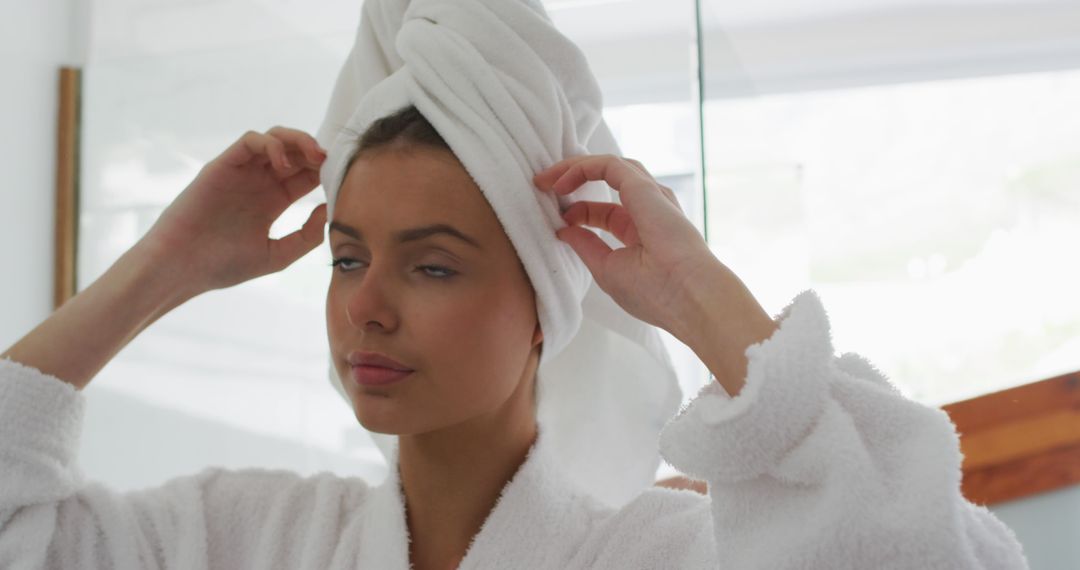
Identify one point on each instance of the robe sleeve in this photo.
(52, 517)
(820, 462)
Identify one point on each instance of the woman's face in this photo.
(461, 315)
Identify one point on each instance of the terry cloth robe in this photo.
(818, 463)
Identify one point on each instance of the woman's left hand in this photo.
(666, 275)
(664, 252)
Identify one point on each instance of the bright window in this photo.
(937, 220)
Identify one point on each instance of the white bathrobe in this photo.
(818, 463)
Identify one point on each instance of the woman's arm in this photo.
(87, 331)
(214, 235)
(718, 318)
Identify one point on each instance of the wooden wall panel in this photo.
(1020, 441)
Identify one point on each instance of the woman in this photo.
(812, 461)
(889, 500)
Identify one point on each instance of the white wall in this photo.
(1048, 525)
(35, 40)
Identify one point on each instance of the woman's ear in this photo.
(538, 335)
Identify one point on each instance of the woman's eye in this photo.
(444, 271)
(434, 271)
(338, 261)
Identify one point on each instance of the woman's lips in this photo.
(377, 375)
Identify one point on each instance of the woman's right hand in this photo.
(217, 229)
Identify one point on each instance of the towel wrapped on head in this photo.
(511, 96)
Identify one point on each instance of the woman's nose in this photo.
(371, 302)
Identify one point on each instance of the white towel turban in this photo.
(511, 96)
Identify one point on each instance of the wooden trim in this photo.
(67, 185)
(1020, 441)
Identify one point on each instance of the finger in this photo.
(670, 195)
(254, 145)
(599, 167)
(667, 192)
(632, 185)
(298, 185)
(297, 139)
(604, 215)
(285, 251)
(279, 157)
(249, 146)
(299, 163)
(546, 177)
(589, 247)
(638, 165)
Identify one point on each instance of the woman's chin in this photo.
(376, 423)
(383, 418)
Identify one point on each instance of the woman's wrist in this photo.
(77, 340)
(161, 277)
(718, 319)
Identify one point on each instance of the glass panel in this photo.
(927, 197)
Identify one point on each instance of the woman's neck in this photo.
(451, 480)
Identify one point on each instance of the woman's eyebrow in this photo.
(411, 234)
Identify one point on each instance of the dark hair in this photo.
(403, 128)
(406, 127)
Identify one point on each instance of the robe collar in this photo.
(537, 522)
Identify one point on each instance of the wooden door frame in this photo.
(67, 184)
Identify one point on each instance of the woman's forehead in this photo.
(394, 191)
